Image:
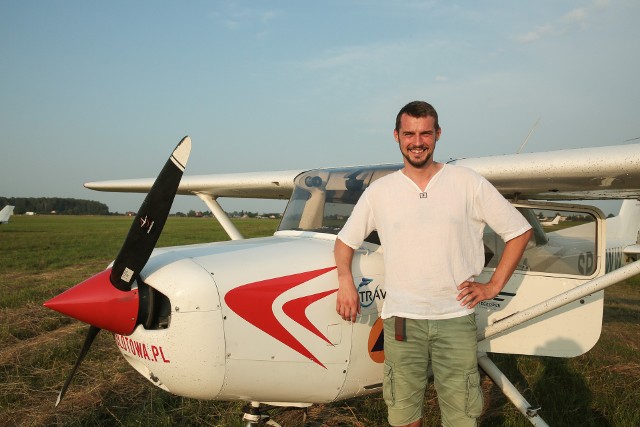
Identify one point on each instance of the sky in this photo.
(95, 91)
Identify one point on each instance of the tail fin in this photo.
(5, 213)
(625, 226)
(554, 221)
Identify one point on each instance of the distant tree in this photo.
(64, 206)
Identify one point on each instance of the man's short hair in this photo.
(418, 109)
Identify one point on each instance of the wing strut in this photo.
(532, 312)
(221, 216)
(510, 391)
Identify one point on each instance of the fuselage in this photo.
(237, 333)
(255, 319)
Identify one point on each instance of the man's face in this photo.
(417, 139)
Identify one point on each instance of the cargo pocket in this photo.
(388, 391)
(472, 319)
(474, 400)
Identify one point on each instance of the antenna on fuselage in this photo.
(528, 136)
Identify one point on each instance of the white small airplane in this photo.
(197, 321)
(554, 221)
(5, 214)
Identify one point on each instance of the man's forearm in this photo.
(511, 255)
(347, 301)
(343, 256)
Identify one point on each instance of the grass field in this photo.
(42, 256)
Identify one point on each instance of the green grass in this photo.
(43, 255)
(47, 243)
(35, 246)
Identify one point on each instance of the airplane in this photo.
(554, 221)
(5, 213)
(198, 322)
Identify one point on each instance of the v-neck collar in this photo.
(433, 179)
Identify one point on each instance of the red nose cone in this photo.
(97, 302)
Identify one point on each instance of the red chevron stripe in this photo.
(296, 308)
(254, 303)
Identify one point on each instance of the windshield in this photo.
(323, 199)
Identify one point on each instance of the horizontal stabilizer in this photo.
(632, 250)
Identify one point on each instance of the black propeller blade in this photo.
(91, 334)
(152, 215)
(143, 236)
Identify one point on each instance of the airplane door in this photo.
(566, 250)
(364, 373)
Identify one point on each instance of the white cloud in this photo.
(535, 34)
(341, 57)
(235, 15)
(231, 24)
(268, 16)
(578, 17)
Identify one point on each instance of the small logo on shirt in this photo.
(423, 195)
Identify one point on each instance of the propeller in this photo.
(109, 300)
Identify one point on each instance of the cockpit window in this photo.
(323, 199)
(563, 242)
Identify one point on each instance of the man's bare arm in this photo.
(347, 302)
(471, 293)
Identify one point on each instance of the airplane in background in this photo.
(199, 322)
(554, 221)
(5, 213)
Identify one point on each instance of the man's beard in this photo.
(417, 163)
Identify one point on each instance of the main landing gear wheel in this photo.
(255, 414)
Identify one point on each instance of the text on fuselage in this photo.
(367, 296)
(153, 353)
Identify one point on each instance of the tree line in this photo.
(58, 205)
(234, 214)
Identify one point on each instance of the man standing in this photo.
(430, 219)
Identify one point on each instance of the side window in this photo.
(336, 214)
(563, 242)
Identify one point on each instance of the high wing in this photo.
(252, 185)
(580, 174)
(611, 172)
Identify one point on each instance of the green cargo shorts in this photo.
(450, 345)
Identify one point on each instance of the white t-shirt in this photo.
(432, 238)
